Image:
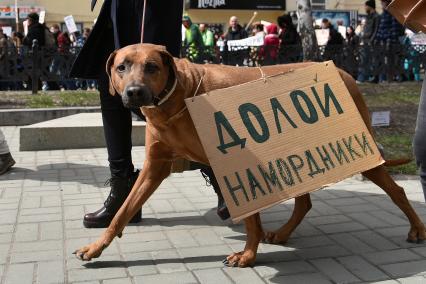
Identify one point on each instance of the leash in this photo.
(179, 113)
(263, 76)
(143, 20)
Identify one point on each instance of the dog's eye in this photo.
(151, 68)
(121, 68)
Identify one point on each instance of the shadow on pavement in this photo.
(62, 172)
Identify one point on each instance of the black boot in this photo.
(6, 162)
(210, 178)
(120, 189)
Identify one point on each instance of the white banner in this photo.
(250, 41)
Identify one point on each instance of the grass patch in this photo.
(49, 99)
(402, 100)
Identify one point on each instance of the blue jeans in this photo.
(420, 138)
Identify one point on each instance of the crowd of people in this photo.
(378, 49)
(60, 44)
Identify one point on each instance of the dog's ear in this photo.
(168, 59)
(109, 64)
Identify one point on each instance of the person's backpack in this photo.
(49, 39)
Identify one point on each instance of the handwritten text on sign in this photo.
(271, 141)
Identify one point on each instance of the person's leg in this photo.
(420, 138)
(6, 160)
(163, 26)
(117, 124)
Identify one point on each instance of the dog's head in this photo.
(141, 74)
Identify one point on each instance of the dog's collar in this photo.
(170, 87)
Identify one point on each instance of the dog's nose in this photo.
(134, 91)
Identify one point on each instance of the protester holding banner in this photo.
(235, 32)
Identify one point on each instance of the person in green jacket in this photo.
(208, 40)
(193, 40)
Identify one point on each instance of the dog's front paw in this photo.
(417, 234)
(241, 259)
(93, 250)
(276, 237)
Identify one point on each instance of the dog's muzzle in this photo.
(136, 96)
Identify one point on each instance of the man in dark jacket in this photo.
(236, 32)
(334, 46)
(387, 39)
(118, 25)
(290, 43)
(35, 31)
(368, 35)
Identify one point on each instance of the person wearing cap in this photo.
(35, 31)
(367, 39)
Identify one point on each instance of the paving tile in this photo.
(391, 256)
(362, 269)
(177, 277)
(20, 274)
(334, 270)
(50, 272)
(308, 278)
(243, 275)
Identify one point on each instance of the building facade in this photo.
(208, 11)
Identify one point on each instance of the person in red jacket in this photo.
(269, 52)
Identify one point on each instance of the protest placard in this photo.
(70, 23)
(275, 139)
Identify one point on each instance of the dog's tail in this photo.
(397, 162)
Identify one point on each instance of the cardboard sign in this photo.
(275, 139)
(70, 23)
(380, 118)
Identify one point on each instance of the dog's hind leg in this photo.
(301, 208)
(255, 234)
(381, 178)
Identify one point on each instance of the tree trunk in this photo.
(307, 31)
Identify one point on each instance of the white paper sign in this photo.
(322, 36)
(380, 118)
(25, 24)
(342, 31)
(7, 31)
(71, 26)
(42, 17)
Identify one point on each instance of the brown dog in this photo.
(147, 76)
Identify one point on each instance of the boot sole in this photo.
(96, 224)
(11, 163)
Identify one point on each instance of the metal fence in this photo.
(31, 68)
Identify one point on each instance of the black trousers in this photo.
(163, 19)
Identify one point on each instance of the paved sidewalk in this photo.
(353, 234)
